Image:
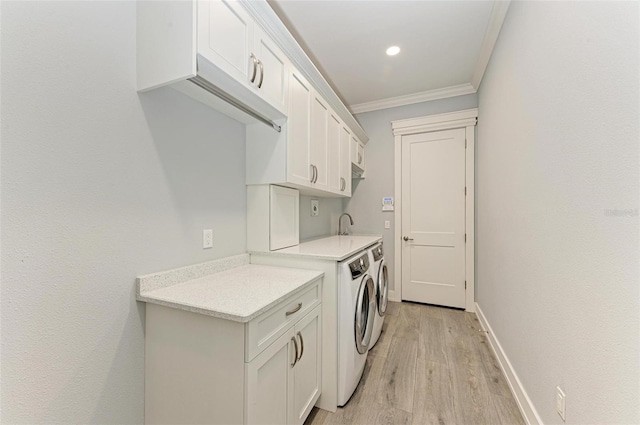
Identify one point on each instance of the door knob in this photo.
(406, 238)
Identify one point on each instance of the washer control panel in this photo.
(359, 266)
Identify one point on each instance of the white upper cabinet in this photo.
(229, 38)
(228, 54)
(312, 155)
(215, 52)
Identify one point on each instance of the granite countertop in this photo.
(336, 248)
(229, 288)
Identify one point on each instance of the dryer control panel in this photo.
(359, 266)
(378, 253)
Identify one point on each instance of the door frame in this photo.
(466, 119)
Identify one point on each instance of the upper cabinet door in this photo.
(298, 165)
(333, 140)
(271, 75)
(345, 160)
(319, 124)
(225, 37)
(357, 155)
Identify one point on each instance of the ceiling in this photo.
(445, 46)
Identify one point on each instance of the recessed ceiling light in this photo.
(393, 50)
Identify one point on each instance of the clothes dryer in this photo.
(381, 279)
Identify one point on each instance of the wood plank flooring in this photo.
(432, 365)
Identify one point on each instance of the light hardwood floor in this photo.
(432, 365)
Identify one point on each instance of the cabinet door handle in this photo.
(295, 344)
(255, 67)
(312, 173)
(294, 310)
(359, 158)
(315, 180)
(261, 73)
(301, 345)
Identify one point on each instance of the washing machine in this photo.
(381, 280)
(356, 313)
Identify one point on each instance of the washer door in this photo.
(365, 312)
(382, 292)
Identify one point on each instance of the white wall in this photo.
(98, 185)
(366, 203)
(557, 271)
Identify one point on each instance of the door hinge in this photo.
(465, 191)
(465, 238)
(465, 143)
(465, 284)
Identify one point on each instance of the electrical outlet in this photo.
(207, 238)
(387, 224)
(315, 208)
(561, 404)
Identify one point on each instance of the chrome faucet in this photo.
(340, 232)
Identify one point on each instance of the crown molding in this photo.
(496, 19)
(409, 99)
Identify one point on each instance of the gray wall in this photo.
(366, 203)
(557, 154)
(324, 224)
(98, 185)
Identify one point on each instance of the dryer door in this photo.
(365, 312)
(382, 292)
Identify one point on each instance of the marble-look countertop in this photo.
(335, 248)
(233, 292)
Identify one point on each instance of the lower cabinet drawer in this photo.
(268, 327)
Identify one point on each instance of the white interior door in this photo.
(433, 218)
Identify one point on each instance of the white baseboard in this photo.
(524, 403)
(394, 296)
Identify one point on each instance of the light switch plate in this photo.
(387, 224)
(207, 238)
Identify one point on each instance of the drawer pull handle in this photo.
(295, 344)
(301, 345)
(295, 310)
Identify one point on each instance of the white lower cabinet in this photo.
(203, 369)
(283, 382)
